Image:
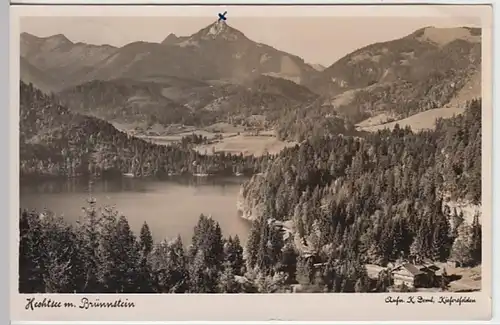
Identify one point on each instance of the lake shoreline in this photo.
(170, 206)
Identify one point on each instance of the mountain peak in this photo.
(170, 39)
(54, 40)
(61, 37)
(444, 35)
(58, 39)
(28, 35)
(219, 30)
(218, 27)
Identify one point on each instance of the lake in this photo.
(170, 207)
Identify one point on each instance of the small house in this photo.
(414, 275)
(407, 274)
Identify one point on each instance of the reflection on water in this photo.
(170, 207)
(125, 184)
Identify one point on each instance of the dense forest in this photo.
(57, 142)
(53, 254)
(102, 245)
(320, 212)
(374, 199)
(314, 120)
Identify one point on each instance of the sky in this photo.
(318, 40)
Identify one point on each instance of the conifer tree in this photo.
(305, 270)
(145, 240)
(30, 252)
(58, 255)
(252, 247)
(476, 240)
(144, 280)
(126, 257)
(441, 240)
(289, 262)
(461, 250)
(227, 282)
(88, 239)
(234, 254)
(107, 251)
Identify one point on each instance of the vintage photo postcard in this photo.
(225, 163)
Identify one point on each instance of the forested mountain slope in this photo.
(174, 100)
(421, 71)
(372, 199)
(57, 142)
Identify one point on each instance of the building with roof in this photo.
(414, 275)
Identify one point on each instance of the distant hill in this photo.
(174, 100)
(125, 101)
(60, 59)
(31, 74)
(427, 119)
(283, 87)
(421, 71)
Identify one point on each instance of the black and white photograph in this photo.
(232, 154)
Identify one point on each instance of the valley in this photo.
(247, 144)
(219, 137)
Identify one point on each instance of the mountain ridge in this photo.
(172, 37)
(197, 56)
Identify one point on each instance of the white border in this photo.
(306, 299)
(254, 2)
